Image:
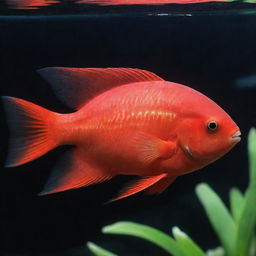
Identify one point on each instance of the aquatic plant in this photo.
(235, 227)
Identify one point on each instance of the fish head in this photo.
(208, 135)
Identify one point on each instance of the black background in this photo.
(208, 52)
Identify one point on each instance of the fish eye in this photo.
(212, 126)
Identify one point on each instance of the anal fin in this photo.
(74, 170)
(160, 186)
(139, 185)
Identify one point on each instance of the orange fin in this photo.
(150, 148)
(75, 86)
(160, 186)
(74, 170)
(139, 185)
(30, 134)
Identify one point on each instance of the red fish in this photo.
(126, 121)
(29, 4)
(145, 2)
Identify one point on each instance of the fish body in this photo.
(121, 117)
(133, 123)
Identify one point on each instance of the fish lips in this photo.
(236, 137)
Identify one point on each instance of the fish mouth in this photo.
(236, 137)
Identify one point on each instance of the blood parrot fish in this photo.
(126, 121)
(146, 2)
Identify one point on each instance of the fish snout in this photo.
(235, 138)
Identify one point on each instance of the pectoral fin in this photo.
(139, 185)
(151, 148)
(160, 186)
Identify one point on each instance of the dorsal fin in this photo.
(75, 86)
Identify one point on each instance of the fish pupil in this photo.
(212, 126)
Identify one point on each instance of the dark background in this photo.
(207, 51)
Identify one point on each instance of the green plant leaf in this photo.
(252, 251)
(216, 252)
(145, 232)
(236, 203)
(186, 243)
(252, 156)
(98, 251)
(250, 1)
(246, 223)
(247, 220)
(219, 217)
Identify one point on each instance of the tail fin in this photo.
(30, 135)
